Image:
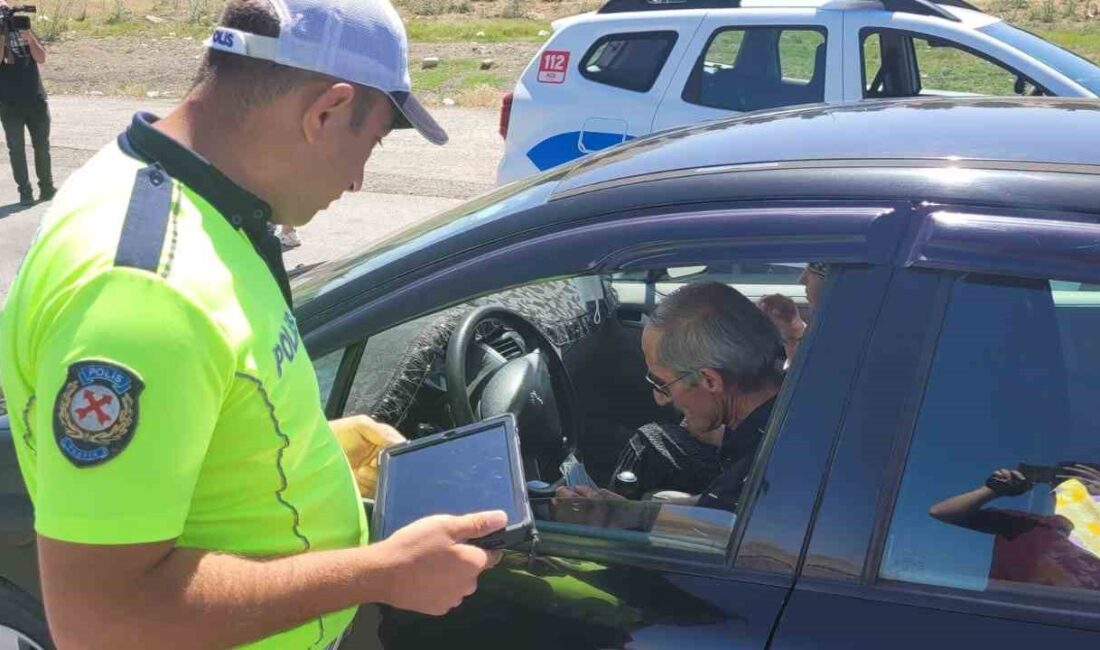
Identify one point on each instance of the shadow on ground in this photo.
(13, 208)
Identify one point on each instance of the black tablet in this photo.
(469, 469)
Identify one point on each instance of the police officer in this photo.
(188, 491)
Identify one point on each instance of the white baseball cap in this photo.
(361, 41)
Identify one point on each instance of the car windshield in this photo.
(1076, 67)
(419, 236)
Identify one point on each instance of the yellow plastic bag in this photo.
(1073, 501)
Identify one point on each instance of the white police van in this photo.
(639, 66)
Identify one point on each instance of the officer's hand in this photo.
(431, 569)
(363, 439)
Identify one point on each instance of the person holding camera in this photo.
(1061, 549)
(23, 104)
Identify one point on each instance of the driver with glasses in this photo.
(717, 358)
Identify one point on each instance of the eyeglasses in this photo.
(663, 388)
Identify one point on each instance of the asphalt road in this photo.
(406, 181)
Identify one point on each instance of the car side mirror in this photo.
(1021, 86)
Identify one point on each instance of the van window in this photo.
(629, 61)
(748, 69)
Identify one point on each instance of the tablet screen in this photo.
(470, 473)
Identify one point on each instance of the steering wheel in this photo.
(535, 388)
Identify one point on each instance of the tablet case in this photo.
(516, 533)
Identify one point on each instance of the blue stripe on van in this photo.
(563, 147)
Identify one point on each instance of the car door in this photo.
(903, 55)
(707, 578)
(749, 59)
(984, 357)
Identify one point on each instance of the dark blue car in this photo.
(955, 336)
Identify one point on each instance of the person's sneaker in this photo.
(26, 198)
(289, 240)
(47, 194)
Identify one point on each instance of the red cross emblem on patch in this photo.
(96, 412)
(95, 408)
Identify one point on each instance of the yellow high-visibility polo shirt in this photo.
(157, 383)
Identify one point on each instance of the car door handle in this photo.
(600, 133)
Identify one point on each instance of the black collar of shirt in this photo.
(242, 209)
(745, 437)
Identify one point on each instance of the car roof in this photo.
(1029, 131)
(1031, 155)
(966, 16)
(717, 5)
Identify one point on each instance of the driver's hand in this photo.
(584, 492)
(363, 439)
(601, 508)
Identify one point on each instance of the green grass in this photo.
(948, 69)
(420, 30)
(725, 46)
(798, 53)
(454, 76)
(1084, 41)
(138, 27)
(69, 28)
(496, 30)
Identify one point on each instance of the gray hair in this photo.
(712, 325)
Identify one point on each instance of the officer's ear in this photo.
(328, 108)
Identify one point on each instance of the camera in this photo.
(1039, 473)
(11, 22)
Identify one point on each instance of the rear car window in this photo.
(748, 69)
(1001, 490)
(630, 61)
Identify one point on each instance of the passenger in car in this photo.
(1058, 550)
(783, 312)
(813, 278)
(719, 360)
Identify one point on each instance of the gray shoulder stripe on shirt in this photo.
(146, 223)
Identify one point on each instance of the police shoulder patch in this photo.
(96, 412)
